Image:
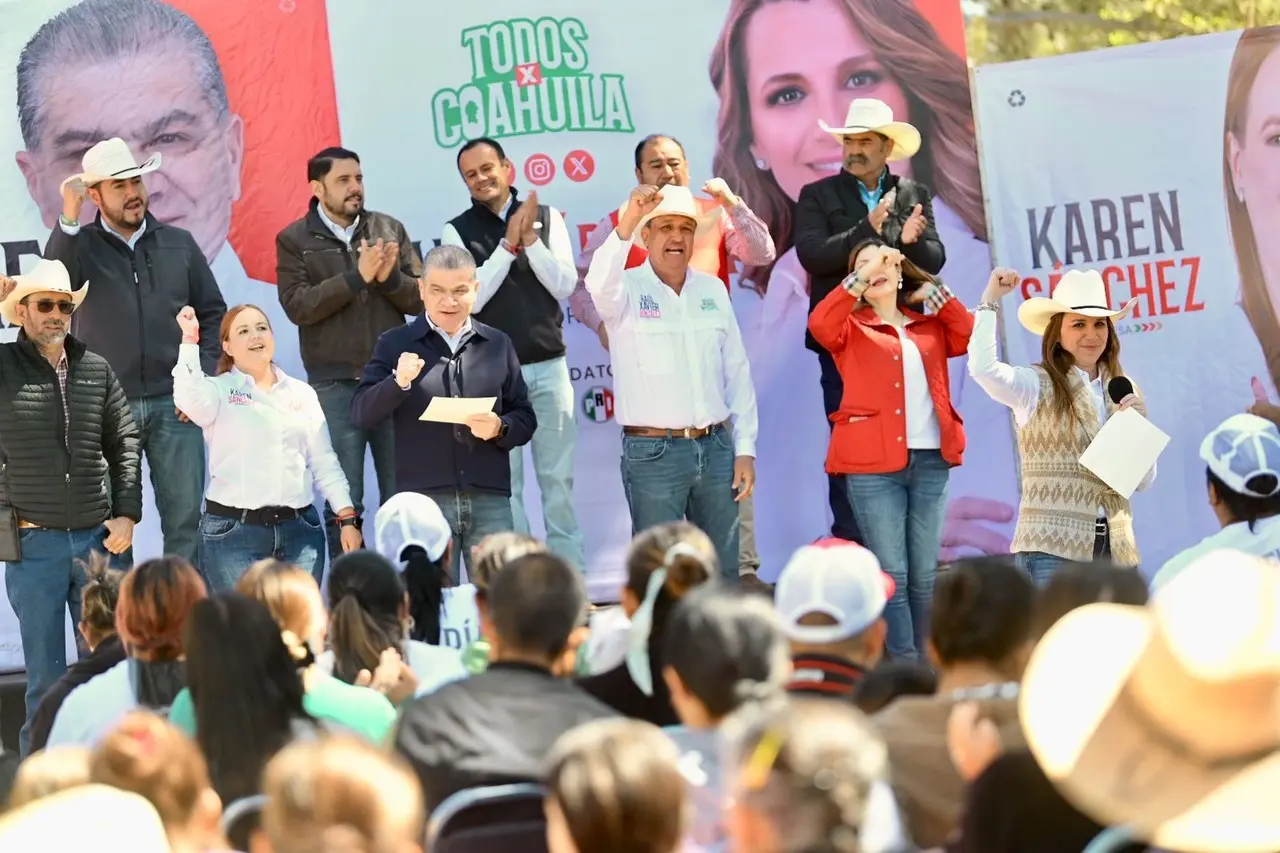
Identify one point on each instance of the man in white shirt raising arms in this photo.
(682, 385)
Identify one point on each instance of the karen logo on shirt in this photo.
(649, 307)
(709, 304)
(240, 398)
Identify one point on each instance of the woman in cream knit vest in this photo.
(1066, 512)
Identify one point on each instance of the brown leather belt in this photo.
(657, 432)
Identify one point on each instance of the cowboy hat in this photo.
(106, 819)
(1078, 292)
(45, 277)
(1166, 719)
(869, 115)
(111, 160)
(679, 201)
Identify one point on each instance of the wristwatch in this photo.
(504, 429)
(350, 521)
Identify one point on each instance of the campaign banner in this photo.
(1155, 166)
(237, 94)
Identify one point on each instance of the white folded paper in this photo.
(1124, 450)
(456, 410)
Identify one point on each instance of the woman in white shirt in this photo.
(267, 440)
(1066, 513)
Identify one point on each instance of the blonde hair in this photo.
(934, 79)
(289, 592)
(618, 785)
(48, 772)
(496, 551)
(340, 795)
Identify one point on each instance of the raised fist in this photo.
(1002, 281)
(408, 368)
(6, 286)
(189, 324)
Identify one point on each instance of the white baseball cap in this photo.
(1243, 447)
(837, 578)
(409, 519)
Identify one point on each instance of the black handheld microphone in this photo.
(1119, 388)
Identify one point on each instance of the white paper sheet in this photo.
(456, 410)
(1124, 450)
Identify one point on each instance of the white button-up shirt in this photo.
(678, 358)
(342, 232)
(265, 446)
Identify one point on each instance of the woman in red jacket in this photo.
(896, 435)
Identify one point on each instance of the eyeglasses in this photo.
(46, 306)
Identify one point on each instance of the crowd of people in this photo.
(255, 669)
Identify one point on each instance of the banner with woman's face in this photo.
(237, 94)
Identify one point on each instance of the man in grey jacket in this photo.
(143, 273)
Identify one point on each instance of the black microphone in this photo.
(1119, 388)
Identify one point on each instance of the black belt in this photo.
(1101, 538)
(267, 516)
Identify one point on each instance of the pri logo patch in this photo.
(597, 404)
(649, 307)
(240, 398)
(709, 304)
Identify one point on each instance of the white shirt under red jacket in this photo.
(678, 358)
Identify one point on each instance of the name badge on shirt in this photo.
(649, 307)
(240, 398)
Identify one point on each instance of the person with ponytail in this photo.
(370, 615)
(269, 451)
(664, 564)
(412, 533)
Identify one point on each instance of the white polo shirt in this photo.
(678, 358)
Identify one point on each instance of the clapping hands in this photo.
(378, 261)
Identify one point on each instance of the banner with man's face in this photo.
(237, 94)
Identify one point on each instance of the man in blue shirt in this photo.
(464, 467)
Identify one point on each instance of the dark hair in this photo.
(879, 687)
(322, 163)
(1247, 508)
(366, 612)
(100, 595)
(1077, 584)
(650, 139)
(981, 611)
(536, 603)
(727, 647)
(244, 686)
(476, 143)
(97, 30)
(156, 599)
(913, 278)
(425, 580)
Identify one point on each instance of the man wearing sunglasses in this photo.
(66, 432)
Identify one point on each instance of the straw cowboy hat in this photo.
(869, 115)
(1078, 292)
(1166, 719)
(45, 277)
(679, 201)
(111, 160)
(97, 817)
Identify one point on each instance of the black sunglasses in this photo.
(46, 306)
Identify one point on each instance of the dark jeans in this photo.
(845, 523)
(669, 479)
(472, 516)
(228, 546)
(900, 516)
(42, 587)
(349, 442)
(1042, 566)
(175, 454)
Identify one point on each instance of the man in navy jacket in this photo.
(465, 468)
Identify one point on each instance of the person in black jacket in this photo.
(66, 431)
(464, 467)
(835, 214)
(143, 272)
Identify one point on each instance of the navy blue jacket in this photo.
(433, 456)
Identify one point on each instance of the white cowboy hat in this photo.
(679, 201)
(45, 277)
(111, 160)
(1165, 719)
(1077, 292)
(869, 115)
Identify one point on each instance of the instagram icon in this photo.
(539, 169)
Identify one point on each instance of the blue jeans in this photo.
(349, 442)
(229, 546)
(472, 516)
(175, 454)
(669, 479)
(900, 516)
(1039, 565)
(552, 398)
(844, 523)
(41, 588)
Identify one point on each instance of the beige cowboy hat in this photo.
(1077, 292)
(869, 115)
(105, 819)
(111, 160)
(1165, 719)
(680, 201)
(45, 277)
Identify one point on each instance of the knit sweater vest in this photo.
(1060, 497)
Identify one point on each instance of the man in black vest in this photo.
(71, 471)
(526, 269)
(863, 201)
